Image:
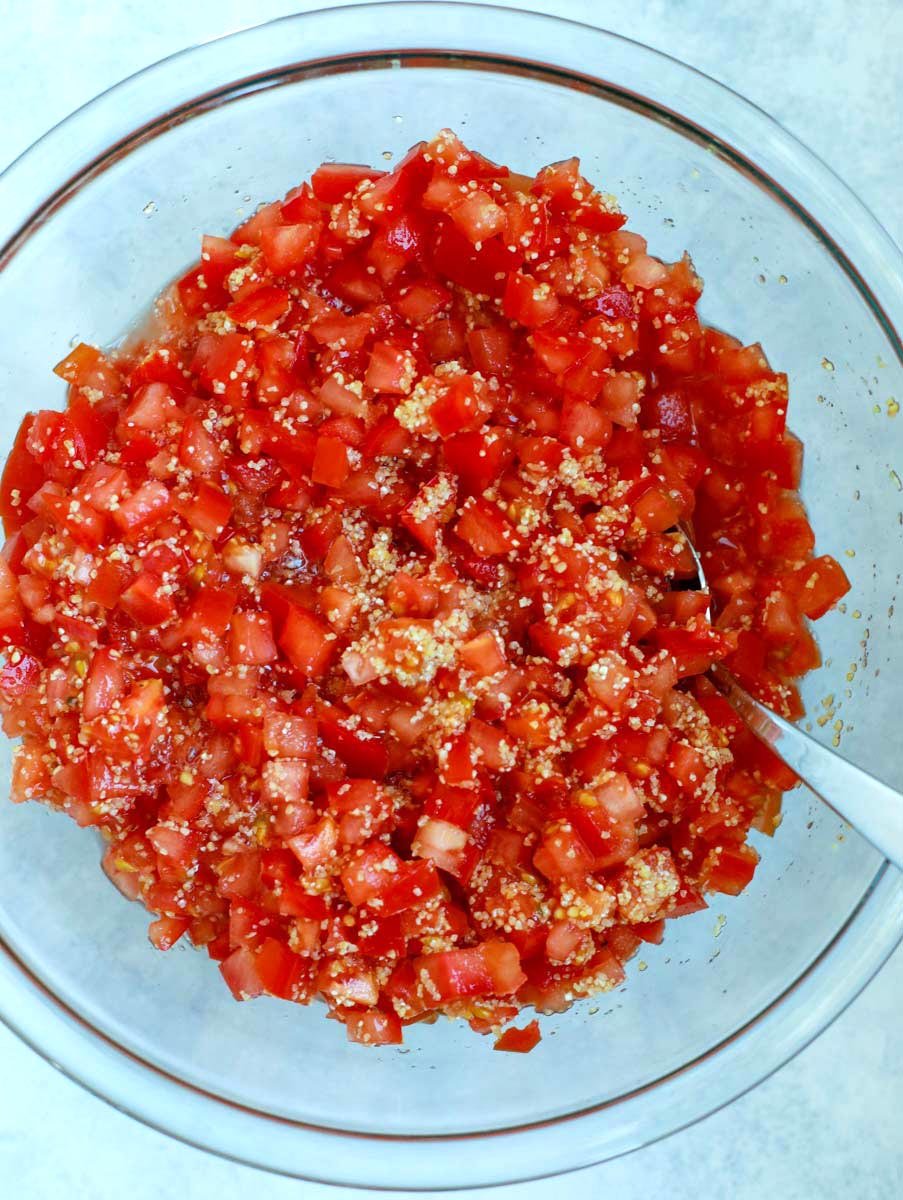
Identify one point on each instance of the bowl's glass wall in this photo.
(88, 273)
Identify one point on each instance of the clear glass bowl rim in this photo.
(103, 130)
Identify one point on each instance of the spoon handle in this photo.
(871, 807)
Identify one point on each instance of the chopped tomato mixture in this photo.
(351, 604)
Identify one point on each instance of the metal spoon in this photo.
(873, 808)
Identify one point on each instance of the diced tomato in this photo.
(22, 476)
(317, 845)
(562, 854)
(264, 307)
(607, 833)
(285, 783)
(390, 369)
(483, 654)
(146, 602)
(288, 736)
(818, 585)
(198, 450)
(240, 973)
(374, 1028)
(251, 639)
(152, 407)
(352, 601)
(209, 614)
(86, 366)
(728, 869)
(166, 931)
(308, 643)
(331, 465)
(483, 527)
(419, 302)
(377, 874)
(478, 216)
(478, 458)
(693, 649)
(490, 969)
(19, 675)
(687, 767)
(529, 301)
(145, 506)
(362, 807)
(288, 247)
(519, 1041)
(332, 181)
(480, 269)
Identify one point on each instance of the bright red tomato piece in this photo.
(519, 1041)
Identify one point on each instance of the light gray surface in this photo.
(829, 1124)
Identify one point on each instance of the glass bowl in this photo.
(99, 215)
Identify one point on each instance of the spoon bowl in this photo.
(873, 808)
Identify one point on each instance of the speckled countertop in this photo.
(827, 1125)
